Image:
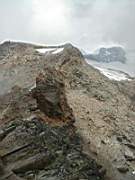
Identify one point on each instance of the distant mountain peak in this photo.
(109, 54)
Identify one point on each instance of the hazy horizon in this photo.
(87, 24)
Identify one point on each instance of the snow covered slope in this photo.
(111, 73)
(114, 74)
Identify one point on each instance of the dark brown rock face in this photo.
(51, 96)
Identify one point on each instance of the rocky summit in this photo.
(61, 119)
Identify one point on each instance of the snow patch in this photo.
(112, 74)
(45, 50)
(110, 71)
(50, 50)
(107, 53)
(58, 50)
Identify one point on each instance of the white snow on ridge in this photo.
(50, 50)
(114, 75)
(110, 71)
(58, 50)
(45, 50)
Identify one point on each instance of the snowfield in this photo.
(112, 74)
(45, 50)
(58, 50)
(50, 50)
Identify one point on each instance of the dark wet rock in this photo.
(47, 152)
(37, 161)
(1, 167)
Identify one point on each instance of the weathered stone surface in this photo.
(51, 96)
(16, 105)
(129, 155)
(103, 111)
(50, 148)
(123, 169)
(30, 147)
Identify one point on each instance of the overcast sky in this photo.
(86, 23)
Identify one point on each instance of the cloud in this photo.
(50, 20)
(106, 22)
(87, 24)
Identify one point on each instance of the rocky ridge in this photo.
(69, 100)
(38, 139)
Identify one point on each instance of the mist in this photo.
(87, 24)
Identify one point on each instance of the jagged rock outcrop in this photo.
(51, 96)
(32, 145)
(41, 123)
